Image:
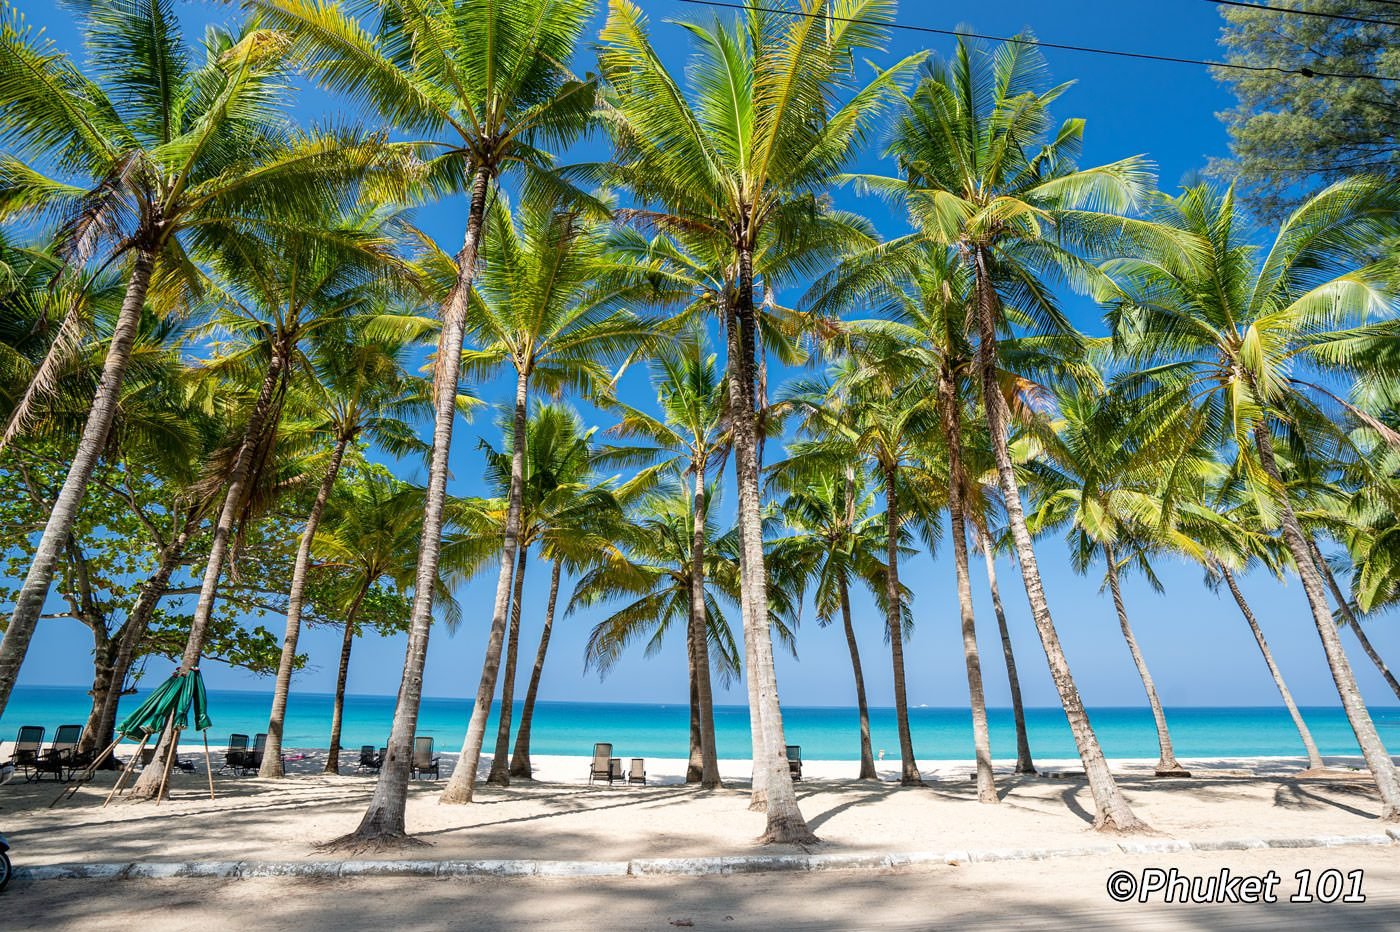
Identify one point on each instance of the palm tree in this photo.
(361, 391)
(983, 175)
(547, 304)
(486, 85)
(835, 535)
(1024, 764)
(1231, 335)
(369, 538)
(745, 155)
(277, 290)
(691, 437)
(163, 153)
(566, 510)
(1094, 478)
(876, 413)
(652, 571)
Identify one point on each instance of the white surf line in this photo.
(644, 867)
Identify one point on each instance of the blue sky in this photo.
(1197, 645)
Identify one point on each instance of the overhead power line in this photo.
(1302, 71)
(1316, 13)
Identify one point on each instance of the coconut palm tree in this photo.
(162, 149)
(691, 438)
(983, 174)
(275, 291)
(485, 86)
(876, 412)
(368, 539)
(739, 152)
(1230, 332)
(651, 571)
(548, 305)
(1093, 478)
(570, 513)
(361, 392)
(834, 534)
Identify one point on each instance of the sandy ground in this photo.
(1063, 894)
(283, 820)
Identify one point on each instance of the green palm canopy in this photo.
(181, 695)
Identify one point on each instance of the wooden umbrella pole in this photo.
(126, 771)
(169, 758)
(208, 765)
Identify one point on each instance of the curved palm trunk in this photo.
(695, 760)
(520, 759)
(384, 817)
(1352, 621)
(463, 783)
(785, 821)
(1024, 764)
(1167, 765)
(29, 601)
(1309, 746)
(149, 784)
(977, 696)
(700, 635)
(867, 756)
(103, 721)
(908, 767)
(1377, 758)
(272, 754)
(500, 764)
(338, 705)
(1112, 812)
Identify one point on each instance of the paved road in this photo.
(1061, 894)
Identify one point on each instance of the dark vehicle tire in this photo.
(5, 870)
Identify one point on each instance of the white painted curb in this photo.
(641, 867)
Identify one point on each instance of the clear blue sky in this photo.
(1197, 645)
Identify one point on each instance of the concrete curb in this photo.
(650, 867)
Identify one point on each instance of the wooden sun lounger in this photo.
(601, 769)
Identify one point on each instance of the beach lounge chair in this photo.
(370, 760)
(28, 743)
(638, 773)
(615, 771)
(234, 757)
(58, 759)
(600, 769)
(794, 756)
(423, 759)
(253, 758)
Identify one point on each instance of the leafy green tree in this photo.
(1234, 332)
(161, 152)
(1291, 135)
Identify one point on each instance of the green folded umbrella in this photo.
(180, 694)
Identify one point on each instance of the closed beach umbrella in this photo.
(179, 694)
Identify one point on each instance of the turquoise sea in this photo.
(824, 733)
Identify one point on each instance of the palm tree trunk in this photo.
(867, 756)
(700, 634)
(149, 784)
(1352, 621)
(1309, 746)
(29, 601)
(384, 817)
(981, 733)
(785, 821)
(1112, 812)
(463, 783)
(1377, 758)
(695, 760)
(338, 705)
(103, 727)
(520, 760)
(908, 767)
(1024, 764)
(272, 754)
(1167, 765)
(500, 764)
